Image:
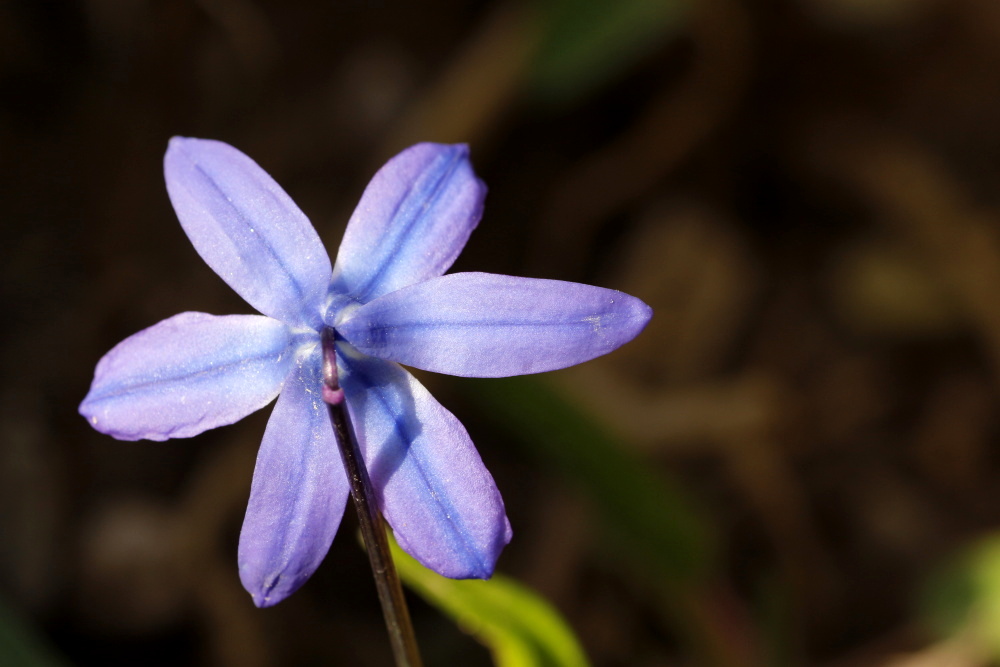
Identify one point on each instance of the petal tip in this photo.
(637, 313)
(181, 150)
(262, 601)
(269, 590)
(178, 144)
(434, 147)
(88, 411)
(99, 421)
(478, 562)
(489, 565)
(644, 312)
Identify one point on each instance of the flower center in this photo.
(338, 306)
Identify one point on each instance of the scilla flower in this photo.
(385, 302)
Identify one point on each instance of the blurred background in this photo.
(795, 464)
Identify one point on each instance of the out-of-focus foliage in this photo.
(520, 628)
(653, 530)
(585, 43)
(962, 603)
(20, 644)
(649, 520)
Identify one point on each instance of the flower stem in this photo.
(390, 591)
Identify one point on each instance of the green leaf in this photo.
(653, 528)
(964, 598)
(520, 628)
(652, 522)
(587, 42)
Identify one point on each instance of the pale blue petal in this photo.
(411, 223)
(298, 494)
(187, 374)
(248, 230)
(432, 486)
(487, 325)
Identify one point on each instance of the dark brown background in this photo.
(806, 191)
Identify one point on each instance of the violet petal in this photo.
(433, 488)
(248, 230)
(187, 374)
(411, 223)
(298, 494)
(488, 325)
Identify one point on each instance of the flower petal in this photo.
(434, 490)
(488, 325)
(298, 494)
(248, 230)
(187, 374)
(411, 223)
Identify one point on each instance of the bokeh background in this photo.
(795, 464)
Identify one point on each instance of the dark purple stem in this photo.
(390, 592)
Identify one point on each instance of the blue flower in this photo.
(388, 303)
